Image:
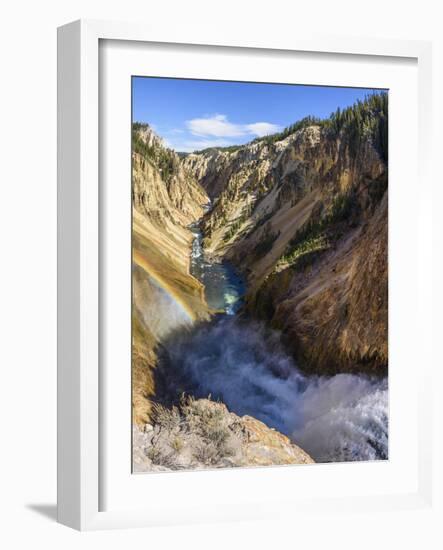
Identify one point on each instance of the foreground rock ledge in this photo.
(201, 434)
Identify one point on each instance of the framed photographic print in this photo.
(260, 274)
(234, 220)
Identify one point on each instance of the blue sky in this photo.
(194, 114)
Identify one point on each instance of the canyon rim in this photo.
(259, 274)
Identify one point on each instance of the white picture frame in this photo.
(80, 411)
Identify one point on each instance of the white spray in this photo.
(339, 418)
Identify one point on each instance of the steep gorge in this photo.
(169, 302)
(304, 218)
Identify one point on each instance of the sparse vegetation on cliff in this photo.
(299, 125)
(200, 433)
(165, 160)
(368, 118)
(365, 118)
(318, 233)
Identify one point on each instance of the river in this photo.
(224, 288)
(243, 363)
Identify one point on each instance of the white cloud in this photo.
(262, 128)
(219, 126)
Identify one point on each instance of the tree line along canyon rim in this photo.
(259, 279)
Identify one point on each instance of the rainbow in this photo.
(140, 260)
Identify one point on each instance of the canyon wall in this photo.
(166, 199)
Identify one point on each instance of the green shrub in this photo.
(305, 251)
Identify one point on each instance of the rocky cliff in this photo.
(202, 434)
(303, 215)
(166, 198)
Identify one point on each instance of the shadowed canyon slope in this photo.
(303, 215)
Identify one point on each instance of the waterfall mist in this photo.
(242, 363)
